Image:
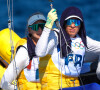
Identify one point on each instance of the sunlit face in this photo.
(36, 34)
(72, 30)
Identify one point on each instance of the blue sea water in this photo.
(22, 9)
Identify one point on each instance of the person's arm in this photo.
(48, 39)
(93, 46)
(19, 63)
(93, 50)
(46, 43)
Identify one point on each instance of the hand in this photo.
(52, 16)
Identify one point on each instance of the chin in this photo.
(38, 37)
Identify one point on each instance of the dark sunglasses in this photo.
(75, 21)
(35, 27)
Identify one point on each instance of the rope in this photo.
(11, 27)
(61, 57)
(79, 75)
(8, 6)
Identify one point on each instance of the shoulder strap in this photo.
(19, 44)
(56, 30)
(19, 47)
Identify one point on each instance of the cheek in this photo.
(34, 34)
(67, 28)
(77, 29)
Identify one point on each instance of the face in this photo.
(36, 34)
(72, 29)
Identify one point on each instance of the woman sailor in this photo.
(62, 55)
(24, 67)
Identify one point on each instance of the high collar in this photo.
(31, 47)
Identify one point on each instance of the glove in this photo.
(52, 16)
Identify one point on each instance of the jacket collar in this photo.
(31, 47)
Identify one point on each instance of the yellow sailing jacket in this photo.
(50, 76)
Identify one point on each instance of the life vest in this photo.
(23, 83)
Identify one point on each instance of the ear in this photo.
(29, 30)
(30, 34)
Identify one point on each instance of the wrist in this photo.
(48, 25)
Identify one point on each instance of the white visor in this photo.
(73, 16)
(35, 18)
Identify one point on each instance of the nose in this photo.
(73, 24)
(40, 29)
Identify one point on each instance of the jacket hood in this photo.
(69, 13)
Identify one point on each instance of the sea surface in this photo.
(22, 9)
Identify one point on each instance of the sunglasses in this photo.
(35, 27)
(75, 21)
